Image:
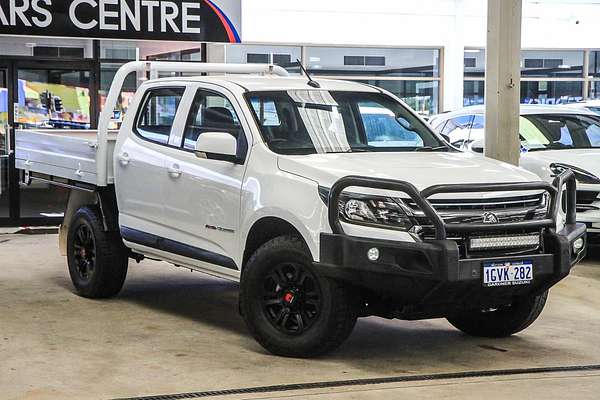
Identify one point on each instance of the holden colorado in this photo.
(327, 201)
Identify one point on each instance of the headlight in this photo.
(581, 175)
(385, 212)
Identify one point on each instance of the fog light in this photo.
(373, 254)
(578, 245)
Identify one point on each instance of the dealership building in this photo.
(57, 63)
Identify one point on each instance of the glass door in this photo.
(57, 99)
(4, 144)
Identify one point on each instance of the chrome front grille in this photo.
(483, 211)
(497, 210)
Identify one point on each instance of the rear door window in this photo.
(157, 115)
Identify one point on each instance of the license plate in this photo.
(507, 273)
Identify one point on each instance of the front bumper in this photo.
(429, 277)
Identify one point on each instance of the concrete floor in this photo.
(172, 331)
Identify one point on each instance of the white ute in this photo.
(327, 200)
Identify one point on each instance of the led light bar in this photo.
(504, 242)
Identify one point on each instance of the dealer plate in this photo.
(507, 273)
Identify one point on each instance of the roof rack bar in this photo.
(161, 66)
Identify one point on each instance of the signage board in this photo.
(190, 20)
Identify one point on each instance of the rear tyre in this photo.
(288, 308)
(502, 322)
(97, 259)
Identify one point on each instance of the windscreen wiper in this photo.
(429, 148)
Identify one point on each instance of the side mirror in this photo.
(445, 137)
(217, 146)
(477, 146)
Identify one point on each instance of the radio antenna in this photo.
(311, 81)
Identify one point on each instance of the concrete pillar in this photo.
(502, 85)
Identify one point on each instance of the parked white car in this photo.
(591, 105)
(553, 139)
(327, 200)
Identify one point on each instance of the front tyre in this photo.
(97, 259)
(288, 308)
(501, 322)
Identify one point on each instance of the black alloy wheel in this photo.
(84, 248)
(97, 258)
(289, 308)
(292, 298)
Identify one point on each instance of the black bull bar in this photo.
(420, 198)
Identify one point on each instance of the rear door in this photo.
(140, 171)
(203, 195)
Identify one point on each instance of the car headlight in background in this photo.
(581, 175)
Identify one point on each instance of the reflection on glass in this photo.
(49, 99)
(474, 63)
(551, 92)
(53, 99)
(318, 121)
(4, 206)
(552, 63)
(373, 61)
(473, 93)
(284, 56)
(594, 68)
(594, 90)
(107, 74)
(421, 96)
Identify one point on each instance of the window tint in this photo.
(317, 121)
(384, 129)
(210, 112)
(478, 122)
(266, 111)
(546, 131)
(158, 114)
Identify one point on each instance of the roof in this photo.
(526, 109)
(268, 83)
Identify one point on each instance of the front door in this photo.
(203, 196)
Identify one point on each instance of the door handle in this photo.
(124, 159)
(174, 171)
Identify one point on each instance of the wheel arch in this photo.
(265, 229)
(103, 198)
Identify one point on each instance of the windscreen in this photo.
(559, 131)
(320, 121)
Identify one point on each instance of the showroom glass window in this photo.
(547, 76)
(411, 74)
(284, 56)
(594, 74)
(114, 54)
(474, 72)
